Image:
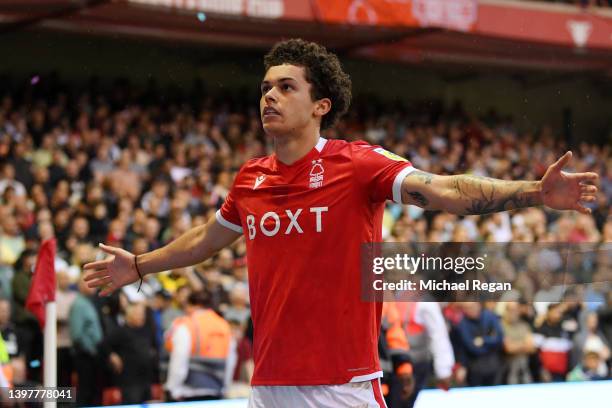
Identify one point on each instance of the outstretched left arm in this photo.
(467, 194)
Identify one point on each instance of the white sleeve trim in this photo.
(367, 377)
(397, 183)
(226, 223)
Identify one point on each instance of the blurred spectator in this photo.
(29, 335)
(518, 345)
(244, 357)
(160, 302)
(591, 368)
(480, 342)
(156, 201)
(177, 306)
(200, 346)
(86, 335)
(12, 244)
(132, 353)
(605, 319)
(238, 309)
(398, 372)
(429, 342)
(8, 181)
(64, 298)
(573, 313)
(591, 338)
(554, 344)
(7, 329)
(9, 348)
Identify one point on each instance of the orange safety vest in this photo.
(397, 342)
(5, 363)
(417, 336)
(7, 370)
(210, 346)
(395, 336)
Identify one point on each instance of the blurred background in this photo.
(125, 122)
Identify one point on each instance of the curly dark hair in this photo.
(323, 71)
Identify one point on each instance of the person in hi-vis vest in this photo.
(6, 369)
(201, 352)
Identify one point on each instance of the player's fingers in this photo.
(582, 209)
(109, 249)
(563, 160)
(96, 265)
(588, 177)
(588, 189)
(588, 198)
(100, 283)
(95, 275)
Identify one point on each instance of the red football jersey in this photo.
(304, 224)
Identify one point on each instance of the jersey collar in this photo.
(321, 144)
(312, 154)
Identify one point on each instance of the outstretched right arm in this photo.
(193, 247)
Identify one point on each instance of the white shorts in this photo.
(366, 394)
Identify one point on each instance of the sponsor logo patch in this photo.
(389, 155)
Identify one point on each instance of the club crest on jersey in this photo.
(316, 173)
(389, 155)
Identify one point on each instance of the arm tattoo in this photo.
(419, 198)
(422, 175)
(483, 195)
(416, 196)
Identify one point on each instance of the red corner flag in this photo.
(42, 288)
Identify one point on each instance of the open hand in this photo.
(566, 191)
(113, 272)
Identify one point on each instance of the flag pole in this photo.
(50, 350)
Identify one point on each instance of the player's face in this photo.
(286, 106)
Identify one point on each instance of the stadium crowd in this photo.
(136, 168)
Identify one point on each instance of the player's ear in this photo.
(322, 107)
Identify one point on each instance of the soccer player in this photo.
(305, 211)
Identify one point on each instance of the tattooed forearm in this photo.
(482, 195)
(467, 194)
